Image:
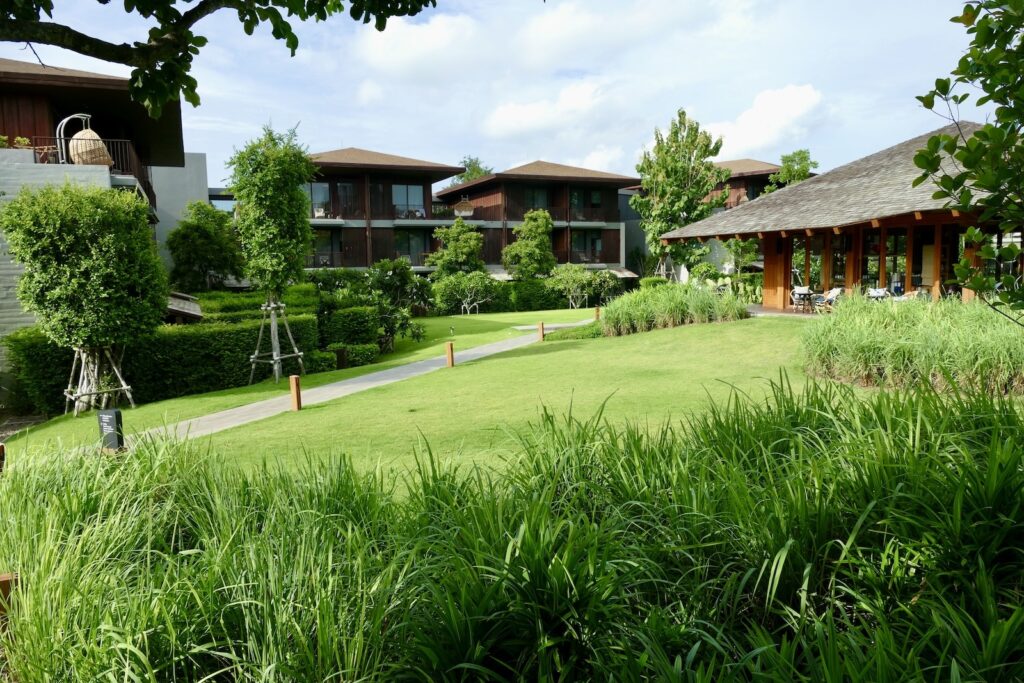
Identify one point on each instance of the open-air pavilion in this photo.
(861, 225)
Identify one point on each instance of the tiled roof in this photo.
(15, 71)
(876, 186)
(364, 158)
(742, 167)
(545, 170)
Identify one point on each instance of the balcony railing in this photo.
(417, 260)
(124, 159)
(348, 257)
(517, 213)
(409, 211)
(591, 255)
(343, 211)
(594, 214)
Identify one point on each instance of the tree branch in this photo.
(68, 38)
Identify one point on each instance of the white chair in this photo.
(800, 297)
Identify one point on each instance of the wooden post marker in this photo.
(3, 457)
(7, 584)
(293, 382)
(540, 331)
(449, 353)
(597, 312)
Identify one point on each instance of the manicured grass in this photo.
(466, 413)
(470, 331)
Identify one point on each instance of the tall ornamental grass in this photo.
(812, 537)
(670, 305)
(907, 343)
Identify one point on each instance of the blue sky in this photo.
(573, 81)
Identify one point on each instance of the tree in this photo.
(743, 252)
(575, 282)
(91, 275)
(677, 176)
(204, 249)
(395, 290)
(474, 169)
(796, 167)
(460, 253)
(464, 292)
(272, 211)
(530, 255)
(162, 58)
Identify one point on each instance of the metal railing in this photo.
(516, 212)
(348, 257)
(124, 159)
(594, 215)
(343, 211)
(409, 211)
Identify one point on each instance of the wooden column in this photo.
(826, 262)
(883, 254)
(937, 264)
(908, 282)
(856, 246)
(807, 260)
(369, 220)
(971, 255)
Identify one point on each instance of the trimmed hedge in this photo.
(318, 361)
(653, 281)
(356, 354)
(235, 306)
(356, 325)
(175, 361)
(528, 295)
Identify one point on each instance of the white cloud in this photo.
(572, 102)
(774, 117)
(411, 50)
(601, 158)
(369, 92)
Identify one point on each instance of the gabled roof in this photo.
(544, 171)
(745, 167)
(353, 157)
(33, 73)
(877, 186)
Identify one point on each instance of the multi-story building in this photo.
(583, 203)
(47, 107)
(747, 180)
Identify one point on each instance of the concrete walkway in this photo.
(260, 410)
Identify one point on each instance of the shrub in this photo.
(907, 343)
(319, 361)
(669, 306)
(573, 281)
(705, 271)
(530, 255)
(762, 540)
(464, 292)
(204, 249)
(237, 306)
(533, 295)
(175, 360)
(357, 325)
(357, 354)
(652, 281)
(460, 252)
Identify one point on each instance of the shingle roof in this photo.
(33, 73)
(353, 157)
(876, 186)
(743, 167)
(545, 170)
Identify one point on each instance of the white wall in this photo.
(175, 187)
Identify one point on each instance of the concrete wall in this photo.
(175, 187)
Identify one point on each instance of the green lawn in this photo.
(470, 331)
(467, 413)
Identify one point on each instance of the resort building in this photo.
(64, 125)
(862, 225)
(583, 203)
(747, 180)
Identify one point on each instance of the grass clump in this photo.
(670, 305)
(814, 536)
(908, 343)
(591, 330)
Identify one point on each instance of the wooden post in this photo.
(293, 382)
(909, 280)
(7, 584)
(540, 331)
(937, 264)
(597, 312)
(449, 353)
(3, 457)
(883, 254)
(971, 254)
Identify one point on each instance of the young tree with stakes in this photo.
(676, 177)
(92, 277)
(268, 175)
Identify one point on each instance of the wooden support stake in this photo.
(597, 316)
(7, 584)
(293, 382)
(540, 331)
(449, 353)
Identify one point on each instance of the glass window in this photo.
(840, 244)
(807, 261)
(412, 245)
(348, 201)
(408, 201)
(872, 253)
(896, 260)
(320, 199)
(378, 206)
(536, 198)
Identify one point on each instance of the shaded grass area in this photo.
(469, 332)
(760, 541)
(467, 412)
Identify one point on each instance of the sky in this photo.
(581, 82)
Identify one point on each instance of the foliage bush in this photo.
(319, 361)
(763, 540)
(298, 299)
(669, 306)
(530, 255)
(531, 295)
(357, 354)
(905, 343)
(357, 325)
(461, 250)
(464, 293)
(705, 271)
(652, 281)
(175, 360)
(204, 249)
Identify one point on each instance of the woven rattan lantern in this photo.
(86, 147)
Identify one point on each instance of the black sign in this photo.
(111, 430)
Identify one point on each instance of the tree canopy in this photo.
(474, 169)
(462, 245)
(677, 176)
(268, 175)
(92, 275)
(796, 167)
(530, 255)
(204, 249)
(981, 172)
(162, 57)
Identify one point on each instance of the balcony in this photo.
(517, 213)
(417, 260)
(349, 257)
(121, 155)
(409, 211)
(594, 214)
(330, 210)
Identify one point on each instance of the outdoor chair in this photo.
(800, 298)
(825, 302)
(877, 293)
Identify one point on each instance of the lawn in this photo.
(469, 331)
(468, 414)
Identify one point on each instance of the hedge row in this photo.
(176, 360)
(356, 325)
